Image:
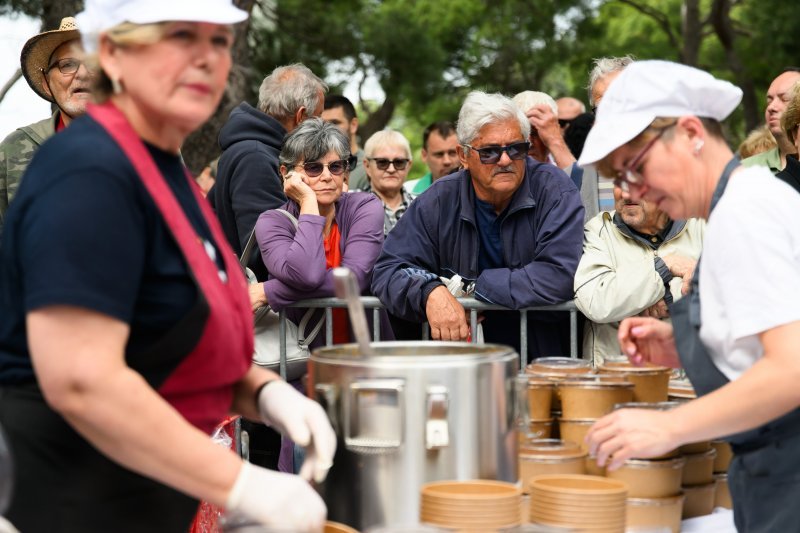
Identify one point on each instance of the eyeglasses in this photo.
(631, 174)
(67, 65)
(489, 155)
(564, 122)
(383, 163)
(316, 168)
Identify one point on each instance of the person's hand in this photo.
(681, 267)
(630, 433)
(446, 316)
(648, 340)
(296, 188)
(258, 298)
(302, 420)
(276, 499)
(542, 118)
(657, 310)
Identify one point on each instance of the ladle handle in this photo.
(346, 288)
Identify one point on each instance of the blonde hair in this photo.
(757, 141)
(791, 115)
(387, 137)
(125, 34)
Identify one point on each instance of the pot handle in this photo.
(326, 397)
(437, 433)
(374, 416)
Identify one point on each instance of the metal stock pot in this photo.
(415, 412)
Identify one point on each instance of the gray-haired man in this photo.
(248, 182)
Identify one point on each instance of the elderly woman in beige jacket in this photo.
(636, 261)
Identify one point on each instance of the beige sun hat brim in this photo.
(37, 51)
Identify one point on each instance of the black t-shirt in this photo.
(83, 231)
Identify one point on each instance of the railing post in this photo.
(473, 324)
(328, 326)
(573, 333)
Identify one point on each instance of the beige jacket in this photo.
(617, 277)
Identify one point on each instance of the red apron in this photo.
(200, 388)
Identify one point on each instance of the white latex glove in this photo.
(276, 499)
(302, 420)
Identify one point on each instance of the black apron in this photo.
(764, 477)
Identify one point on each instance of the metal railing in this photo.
(474, 306)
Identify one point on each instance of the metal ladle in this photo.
(346, 288)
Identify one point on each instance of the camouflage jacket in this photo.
(16, 151)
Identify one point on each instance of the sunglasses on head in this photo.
(490, 155)
(383, 163)
(314, 169)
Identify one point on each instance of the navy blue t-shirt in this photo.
(83, 231)
(490, 251)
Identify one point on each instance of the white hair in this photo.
(528, 99)
(287, 89)
(603, 66)
(480, 109)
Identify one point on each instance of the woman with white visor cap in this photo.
(737, 332)
(127, 331)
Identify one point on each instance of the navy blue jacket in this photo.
(248, 182)
(438, 236)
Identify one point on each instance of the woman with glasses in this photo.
(387, 160)
(737, 331)
(333, 228)
(127, 334)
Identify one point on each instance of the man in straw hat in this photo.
(52, 67)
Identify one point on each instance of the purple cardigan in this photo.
(296, 258)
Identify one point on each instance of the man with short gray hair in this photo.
(511, 227)
(248, 181)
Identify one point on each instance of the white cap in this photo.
(646, 90)
(101, 15)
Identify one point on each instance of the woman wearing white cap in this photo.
(127, 330)
(737, 334)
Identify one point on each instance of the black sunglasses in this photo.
(316, 168)
(564, 122)
(490, 155)
(383, 163)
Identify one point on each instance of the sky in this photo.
(21, 106)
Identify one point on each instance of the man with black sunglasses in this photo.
(510, 226)
(52, 69)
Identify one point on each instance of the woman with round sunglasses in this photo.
(736, 333)
(387, 161)
(333, 228)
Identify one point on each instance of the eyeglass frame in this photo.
(57, 64)
(503, 149)
(628, 175)
(379, 162)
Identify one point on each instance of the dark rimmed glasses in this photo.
(315, 168)
(383, 164)
(632, 173)
(489, 155)
(66, 66)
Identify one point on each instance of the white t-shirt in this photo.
(750, 268)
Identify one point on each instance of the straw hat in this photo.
(37, 51)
